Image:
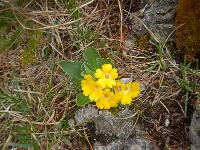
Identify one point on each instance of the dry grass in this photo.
(38, 100)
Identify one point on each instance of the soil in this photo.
(176, 134)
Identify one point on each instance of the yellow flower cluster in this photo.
(106, 91)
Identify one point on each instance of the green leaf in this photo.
(76, 83)
(64, 124)
(88, 70)
(83, 72)
(102, 61)
(82, 100)
(187, 85)
(91, 55)
(73, 69)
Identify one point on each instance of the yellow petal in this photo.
(126, 99)
(101, 82)
(88, 77)
(135, 84)
(99, 105)
(135, 89)
(114, 102)
(114, 73)
(90, 88)
(85, 93)
(99, 73)
(110, 83)
(107, 67)
(103, 104)
(94, 96)
(107, 100)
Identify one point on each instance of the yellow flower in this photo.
(106, 76)
(91, 88)
(107, 100)
(126, 92)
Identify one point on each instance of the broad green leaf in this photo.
(91, 55)
(73, 69)
(77, 83)
(88, 70)
(102, 61)
(82, 100)
(83, 72)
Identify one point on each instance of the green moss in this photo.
(188, 32)
(29, 53)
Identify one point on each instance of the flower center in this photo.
(96, 87)
(107, 76)
(119, 88)
(126, 89)
(106, 95)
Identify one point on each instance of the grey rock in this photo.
(114, 132)
(135, 143)
(139, 143)
(195, 131)
(85, 115)
(115, 145)
(122, 130)
(107, 123)
(159, 18)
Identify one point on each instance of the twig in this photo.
(121, 23)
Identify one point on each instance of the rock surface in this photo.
(195, 130)
(134, 5)
(158, 16)
(114, 132)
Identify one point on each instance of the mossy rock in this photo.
(188, 28)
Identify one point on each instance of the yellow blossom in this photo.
(126, 92)
(91, 88)
(106, 76)
(107, 100)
